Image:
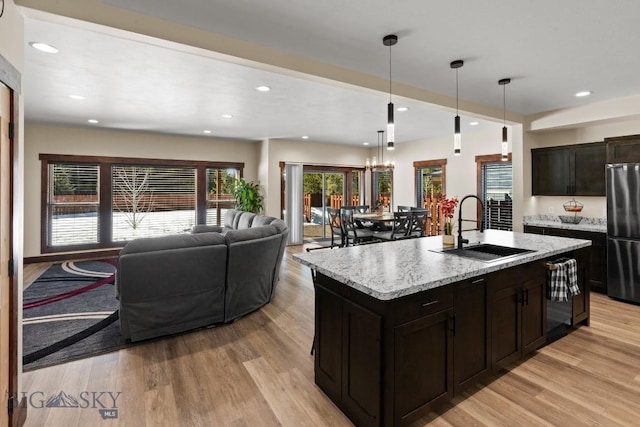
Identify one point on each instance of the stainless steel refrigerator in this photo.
(623, 231)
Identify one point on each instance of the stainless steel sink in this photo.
(485, 252)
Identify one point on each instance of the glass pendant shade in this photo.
(390, 40)
(391, 131)
(457, 138)
(505, 146)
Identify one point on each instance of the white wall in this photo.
(48, 139)
(460, 170)
(288, 151)
(594, 207)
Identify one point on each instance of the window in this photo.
(102, 202)
(495, 187)
(220, 193)
(430, 181)
(73, 202)
(430, 185)
(149, 201)
(382, 181)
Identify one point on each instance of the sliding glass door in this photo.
(322, 190)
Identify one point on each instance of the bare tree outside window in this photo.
(133, 196)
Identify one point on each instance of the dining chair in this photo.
(405, 208)
(418, 222)
(337, 229)
(362, 209)
(352, 232)
(400, 227)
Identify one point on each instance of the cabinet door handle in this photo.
(526, 296)
(477, 281)
(426, 304)
(453, 324)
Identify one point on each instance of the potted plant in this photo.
(448, 207)
(247, 196)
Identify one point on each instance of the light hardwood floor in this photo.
(258, 372)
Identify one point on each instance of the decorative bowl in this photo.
(570, 219)
(572, 206)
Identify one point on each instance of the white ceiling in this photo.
(550, 50)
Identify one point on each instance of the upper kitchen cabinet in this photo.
(623, 149)
(570, 170)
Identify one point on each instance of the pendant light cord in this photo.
(504, 105)
(456, 91)
(390, 73)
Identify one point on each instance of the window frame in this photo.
(417, 165)
(105, 191)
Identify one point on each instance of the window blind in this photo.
(73, 204)
(220, 198)
(152, 201)
(497, 189)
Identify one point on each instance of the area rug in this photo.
(70, 312)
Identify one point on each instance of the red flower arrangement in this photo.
(448, 207)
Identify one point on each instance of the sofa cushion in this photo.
(152, 244)
(280, 225)
(230, 218)
(244, 220)
(234, 236)
(202, 228)
(261, 220)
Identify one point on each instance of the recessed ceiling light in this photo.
(401, 109)
(583, 93)
(93, 121)
(474, 123)
(226, 116)
(365, 143)
(77, 97)
(305, 136)
(43, 47)
(263, 88)
(206, 131)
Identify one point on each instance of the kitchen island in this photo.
(401, 327)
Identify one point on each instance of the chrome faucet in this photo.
(462, 241)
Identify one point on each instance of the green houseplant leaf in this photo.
(247, 196)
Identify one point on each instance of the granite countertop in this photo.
(391, 270)
(595, 225)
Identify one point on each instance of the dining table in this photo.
(374, 216)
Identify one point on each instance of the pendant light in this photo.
(378, 160)
(457, 139)
(505, 146)
(390, 40)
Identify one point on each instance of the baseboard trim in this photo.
(111, 253)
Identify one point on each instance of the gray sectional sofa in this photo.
(173, 284)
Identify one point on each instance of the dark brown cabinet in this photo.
(392, 362)
(348, 356)
(572, 170)
(423, 327)
(623, 149)
(598, 252)
(471, 345)
(517, 305)
(423, 371)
